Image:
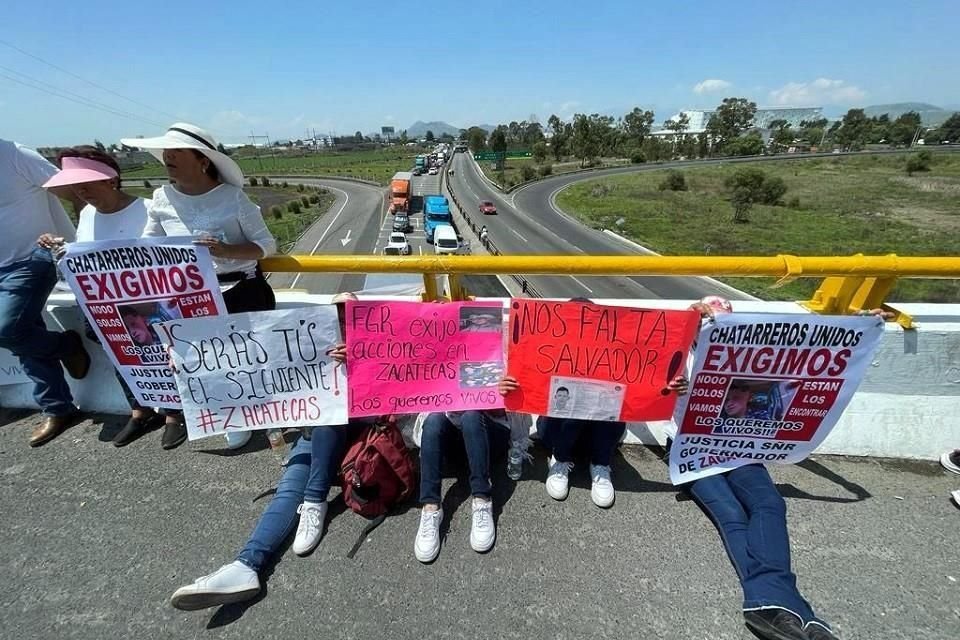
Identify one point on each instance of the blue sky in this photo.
(341, 66)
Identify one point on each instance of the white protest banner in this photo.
(11, 371)
(767, 388)
(125, 287)
(260, 370)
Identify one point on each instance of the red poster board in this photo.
(596, 362)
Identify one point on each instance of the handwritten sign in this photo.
(594, 362)
(261, 370)
(126, 287)
(768, 388)
(411, 357)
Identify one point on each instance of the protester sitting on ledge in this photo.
(751, 516)
(205, 199)
(27, 277)
(109, 214)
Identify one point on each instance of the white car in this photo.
(397, 245)
(433, 171)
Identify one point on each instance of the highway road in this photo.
(529, 223)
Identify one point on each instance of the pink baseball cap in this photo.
(718, 304)
(79, 170)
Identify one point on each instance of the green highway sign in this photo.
(495, 155)
(519, 154)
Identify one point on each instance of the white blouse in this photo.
(225, 210)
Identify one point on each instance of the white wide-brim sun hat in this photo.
(182, 135)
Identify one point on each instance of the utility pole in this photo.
(256, 150)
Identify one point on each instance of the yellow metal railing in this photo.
(851, 282)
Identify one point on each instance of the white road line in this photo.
(577, 280)
(346, 200)
(518, 235)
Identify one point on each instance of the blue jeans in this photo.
(280, 516)
(561, 435)
(480, 436)
(751, 516)
(329, 445)
(24, 289)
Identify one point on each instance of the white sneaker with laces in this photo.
(483, 531)
(427, 545)
(602, 488)
(312, 515)
(238, 439)
(558, 481)
(234, 582)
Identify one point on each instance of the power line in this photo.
(90, 82)
(78, 99)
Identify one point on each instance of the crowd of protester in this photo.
(204, 199)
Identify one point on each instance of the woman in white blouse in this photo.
(205, 200)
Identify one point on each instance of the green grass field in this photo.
(286, 228)
(864, 204)
(513, 167)
(377, 165)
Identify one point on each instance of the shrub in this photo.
(794, 202)
(293, 206)
(637, 157)
(322, 190)
(147, 185)
(527, 172)
(265, 181)
(253, 181)
(919, 162)
(314, 199)
(306, 201)
(276, 211)
(300, 188)
(673, 181)
(772, 190)
(546, 170)
(285, 184)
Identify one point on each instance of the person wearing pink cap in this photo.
(109, 214)
(27, 276)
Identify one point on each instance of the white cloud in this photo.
(711, 85)
(817, 93)
(231, 119)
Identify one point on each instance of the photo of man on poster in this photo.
(758, 399)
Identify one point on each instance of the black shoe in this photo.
(77, 360)
(174, 434)
(135, 428)
(775, 624)
(819, 632)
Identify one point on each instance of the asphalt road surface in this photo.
(97, 538)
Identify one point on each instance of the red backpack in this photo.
(376, 474)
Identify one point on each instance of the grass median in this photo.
(837, 207)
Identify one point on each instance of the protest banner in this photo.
(767, 388)
(125, 287)
(11, 371)
(595, 362)
(262, 370)
(412, 357)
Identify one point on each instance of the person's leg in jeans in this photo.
(604, 438)
(436, 433)
(482, 437)
(239, 580)
(24, 289)
(328, 445)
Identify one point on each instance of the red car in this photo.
(488, 208)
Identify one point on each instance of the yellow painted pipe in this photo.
(890, 266)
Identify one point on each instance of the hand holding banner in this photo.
(411, 357)
(768, 388)
(125, 287)
(595, 362)
(260, 370)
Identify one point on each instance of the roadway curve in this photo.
(526, 223)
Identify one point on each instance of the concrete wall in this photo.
(907, 407)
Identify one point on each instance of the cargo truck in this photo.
(436, 211)
(421, 164)
(400, 191)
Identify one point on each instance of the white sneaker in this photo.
(558, 481)
(238, 439)
(951, 461)
(312, 515)
(956, 497)
(427, 545)
(602, 488)
(234, 582)
(483, 531)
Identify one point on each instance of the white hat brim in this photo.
(230, 171)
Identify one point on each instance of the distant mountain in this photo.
(930, 115)
(419, 129)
